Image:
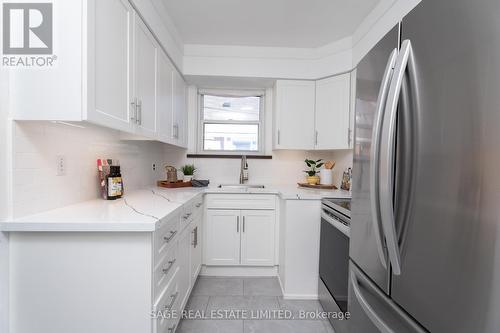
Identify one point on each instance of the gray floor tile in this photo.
(248, 303)
(328, 327)
(284, 326)
(261, 286)
(298, 306)
(197, 303)
(212, 286)
(210, 326)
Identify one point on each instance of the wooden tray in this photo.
(320, 187)
(179, 183)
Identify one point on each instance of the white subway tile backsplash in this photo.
(36, 186)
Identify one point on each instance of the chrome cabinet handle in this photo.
(375, 157)
(186, 216)
(316, 138)
(172, 302)
(279, 136)
(170, 265)
(243, 223)
(198, 205)
(134, 110)
(237, 224)
(139, 112)
(169, 238)
(370, 312)
(387, 155)
(195, 237)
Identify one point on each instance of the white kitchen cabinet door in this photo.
(333, 112)
(222, 237)
(179, 120)
(294, 114)
(184, 248)
(164, 105)
(113, 73)
(257, 237)
(145, 70)
(196, 245)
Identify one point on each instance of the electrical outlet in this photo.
(154, 166)
(61, 165)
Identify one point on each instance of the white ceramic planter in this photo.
(326, 177)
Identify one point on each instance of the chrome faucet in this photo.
(243, 170)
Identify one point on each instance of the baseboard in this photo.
(300, 296)
(239, 271)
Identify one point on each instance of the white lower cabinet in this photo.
(239, 237)
(195, 252)
(222, 237)
(184, 266)
(257, 237)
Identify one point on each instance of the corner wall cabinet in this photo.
(313, 115)
(111, 72)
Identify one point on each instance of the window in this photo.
(231, 123)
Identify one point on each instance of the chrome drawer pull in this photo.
(171, 329)
(172, 302)
(187, 216)
(169, 238)
(170, 265)
(198, 205)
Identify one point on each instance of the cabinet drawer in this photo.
(168, 305)
(241, 201)
(164, 270)
(166, 236)
(190, 210)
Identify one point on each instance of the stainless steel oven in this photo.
(334, 258)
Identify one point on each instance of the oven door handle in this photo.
(335, 222)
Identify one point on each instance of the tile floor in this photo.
(250, 294)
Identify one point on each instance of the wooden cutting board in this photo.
(177, 184)
(319, 187)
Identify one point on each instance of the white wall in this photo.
(36, 187)
(4, 199)
(285, 167)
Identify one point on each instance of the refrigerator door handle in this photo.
(367, 308)
(387, 154)
(375, 157)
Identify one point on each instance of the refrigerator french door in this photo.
(437, 188)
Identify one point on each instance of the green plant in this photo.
(188, 169)
(313, 167)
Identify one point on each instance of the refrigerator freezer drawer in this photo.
(372, 311)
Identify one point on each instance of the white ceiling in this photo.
(276, 23)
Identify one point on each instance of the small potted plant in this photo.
(188, 171)
(313, 166)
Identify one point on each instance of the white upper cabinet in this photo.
(179, 119)
(333, 112)
(313, 115)
(145, 72)
(110, 70)
(294, 114)
(113, 65)
(164, 102)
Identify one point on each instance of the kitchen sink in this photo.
(239, 186)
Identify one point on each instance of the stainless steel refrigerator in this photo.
(425, 229)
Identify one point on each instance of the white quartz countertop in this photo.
(141, 210)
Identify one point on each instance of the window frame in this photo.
(231, 93)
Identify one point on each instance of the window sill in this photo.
(259, 157)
